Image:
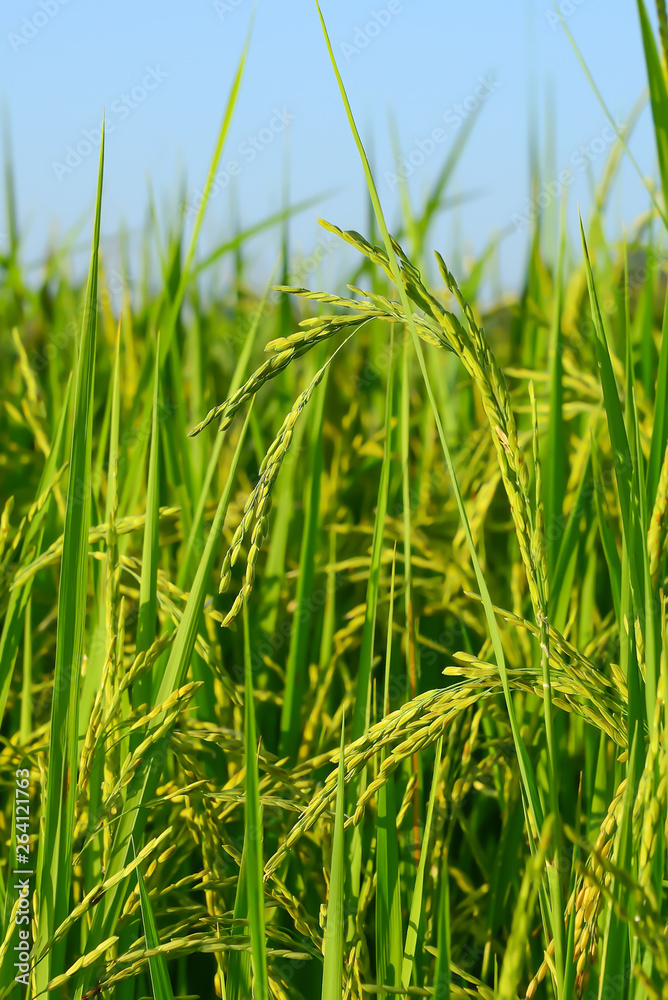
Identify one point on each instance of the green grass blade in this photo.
(10, 196)
(93, 678)
(114, 433)
(443, 978)
(260, 227)
(177, 664)
(160, 981)
(621, 448)
(511, 969)
(148, 586)
(660, 424)
(645, 321)
(19, 596)
(132, 819)
(389, 931)
(658, 93)
(435, 196)
(409, 225)
(253, 831)
(561, 575)
(614, 951)
(417, 902)
(239, 972)
(55, 857)
(195, 534)
(25, 726)
(607, 536)
(332, 972)
(556, 434)
(297, 666)
(371, 608)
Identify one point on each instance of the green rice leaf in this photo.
(443, 980)
(332, 972)
(389, 931)
(148, 587)
(417, 902)
(658, 93)
(660, 423)
(168, 680)
(160, 981)
(19, 596)
(253, 832)
(54, 877)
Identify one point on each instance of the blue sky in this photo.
(163, 71)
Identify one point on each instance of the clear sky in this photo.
(163, 71)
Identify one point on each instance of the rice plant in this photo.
(342, 670)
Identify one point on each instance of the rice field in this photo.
(334, 639)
